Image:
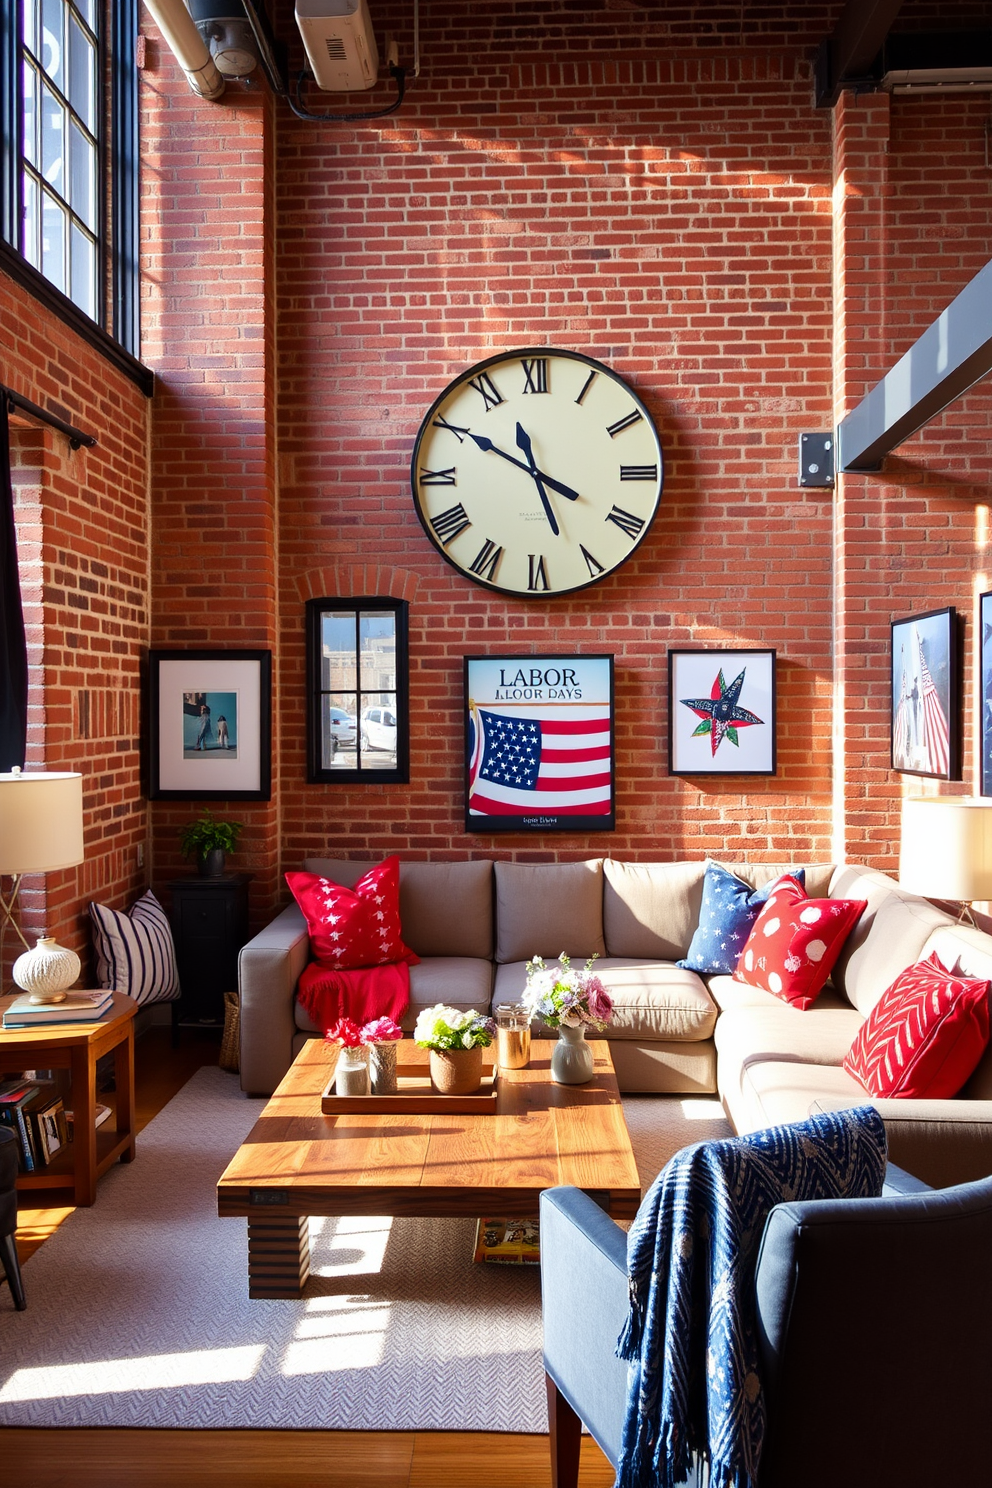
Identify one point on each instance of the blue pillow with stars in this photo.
(726, 917)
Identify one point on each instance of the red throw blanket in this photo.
(365, 993)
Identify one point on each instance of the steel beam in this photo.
(952, 355)
(848, 53)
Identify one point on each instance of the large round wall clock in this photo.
(537, 472)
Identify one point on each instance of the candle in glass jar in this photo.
(512, 1037)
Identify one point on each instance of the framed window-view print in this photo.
(358, 708)
(539, 744)
(925, 695)
(210, 717)
(721, 712)
(985, 692)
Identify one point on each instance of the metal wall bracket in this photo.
(816, 459)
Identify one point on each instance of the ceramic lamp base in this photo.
(46, 972)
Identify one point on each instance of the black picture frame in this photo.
(984, 674)
(372, 750)
(187, 762)
(925, 736)
(722, 711)
(514, 706)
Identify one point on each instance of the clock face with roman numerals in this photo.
(537, 472)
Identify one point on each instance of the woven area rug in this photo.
(138, 1310)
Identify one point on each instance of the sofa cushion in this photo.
(462, 982)
(728, 993)
(727, 914)
(650, 909)
(795, 941)
(546, 908)
(776, 1091)
(870, 961)
(352, 927)
(924, 1036)
(651, 999)
(446, 909)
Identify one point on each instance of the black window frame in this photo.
(363, 773)
(117, 334)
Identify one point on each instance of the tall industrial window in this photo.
(70, 152)
(357, 675)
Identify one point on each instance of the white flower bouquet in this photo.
(445, 1028)
(561, 995)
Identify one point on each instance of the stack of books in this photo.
(78, 1007)
(507, 1242)
(35, 1113)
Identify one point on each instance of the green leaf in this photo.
(731, 734)
(702, 728)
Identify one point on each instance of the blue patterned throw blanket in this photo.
(694, 1391)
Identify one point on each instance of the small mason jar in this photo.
(351, 1076)
(512, 1036)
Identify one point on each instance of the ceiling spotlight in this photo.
(228, 35)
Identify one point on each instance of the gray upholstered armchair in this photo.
(875, 1331)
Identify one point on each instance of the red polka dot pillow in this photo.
(795, 941)
(354, 927)
(924, 1036)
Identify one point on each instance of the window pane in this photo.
(53, 41)
(30, 235)
(377, 634)
(29, 25)
(87, 9)
(82, 271)
(82, 75)
(338, 664)
(53, 225)
(52, 140)
(378, 731)
(82, 161)
(339, 731)
(29, 114)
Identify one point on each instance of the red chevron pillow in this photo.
(354, 927)
(795, 941)
(924, 1036)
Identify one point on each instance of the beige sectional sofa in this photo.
(476, 924)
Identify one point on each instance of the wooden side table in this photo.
(76, 1047)
(209, 918)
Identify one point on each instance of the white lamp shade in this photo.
(41, 821)
(946, 848)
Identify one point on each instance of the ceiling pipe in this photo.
(187, 46)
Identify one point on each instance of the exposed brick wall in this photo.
(82, 531)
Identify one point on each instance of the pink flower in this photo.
(344, 1032)
(599, 1001)
(381, 1031)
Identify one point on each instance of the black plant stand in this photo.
(209, 918)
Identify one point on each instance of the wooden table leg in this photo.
(278, 1256)
(84, 1124)
(124, 1083)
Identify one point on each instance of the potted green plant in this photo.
(209, 841)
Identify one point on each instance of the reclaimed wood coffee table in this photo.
(297, 1162)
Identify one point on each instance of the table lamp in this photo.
(946, 850)
(41, 829)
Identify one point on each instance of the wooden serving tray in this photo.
(414, 1094)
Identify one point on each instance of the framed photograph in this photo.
(985, 692)
(210, 721)
(925, 695)
(539, 744)
(721, 713)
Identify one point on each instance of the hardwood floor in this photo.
(255, 1459)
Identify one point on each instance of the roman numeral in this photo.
(626, 520)
(586, 386)
(639, 472)
(442, 423)
(538, 578)
(486, 560)
(593, 564)
(448, 524)
(632, 418)
(535, 375)
(438, 477)
(490, 393)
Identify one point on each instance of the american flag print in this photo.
(921, 735)
(553, 759)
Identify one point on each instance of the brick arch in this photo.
(357, 580)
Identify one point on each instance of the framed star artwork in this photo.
(721, 712)
(539, 744)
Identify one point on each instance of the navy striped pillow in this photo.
(134, 950)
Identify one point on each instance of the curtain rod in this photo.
(75, 436)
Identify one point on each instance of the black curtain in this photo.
(13, 646)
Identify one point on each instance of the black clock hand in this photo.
(524, 443)
(486, 445)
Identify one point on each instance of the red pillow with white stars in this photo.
(924, 1036)
(795, 941)
(354, 927)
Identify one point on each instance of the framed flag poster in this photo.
(925, 695)
(539, 744)
(721, 713)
